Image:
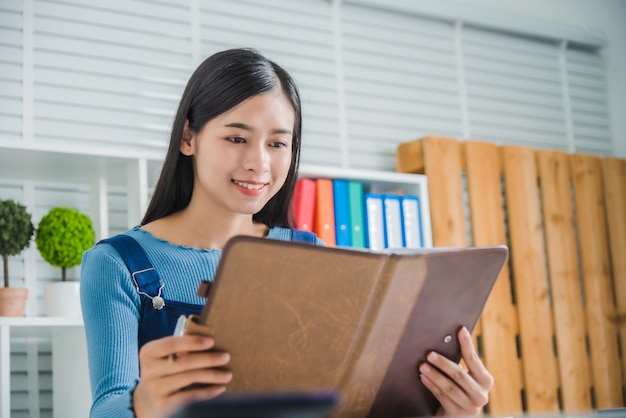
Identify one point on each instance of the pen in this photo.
(180, 326)
(179, 330)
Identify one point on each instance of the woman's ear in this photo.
(187, 141)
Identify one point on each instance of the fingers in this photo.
(474, 364)
(171, 355)
(460, 392)
(148, 402)
(197, 360)
(175, 370)
(192, 379)
(164, 347)
(447, 389)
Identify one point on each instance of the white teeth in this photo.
(248, 185)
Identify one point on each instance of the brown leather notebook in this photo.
(296, 316)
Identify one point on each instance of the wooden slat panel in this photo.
(443, 166)
(530, 278)
(614, 178)
(499, 324)
(565, 284)
(601, 314)
(410, 157)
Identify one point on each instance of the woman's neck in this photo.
(205, 230)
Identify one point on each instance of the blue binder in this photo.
(411, 222)
(393, 221)
(374, 221)
(343, 234)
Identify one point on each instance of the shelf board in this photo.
(39, 326)
(376, 181)
(364, 175)
(37, 163)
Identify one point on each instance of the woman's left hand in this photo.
(462, 392)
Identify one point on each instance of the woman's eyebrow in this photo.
(246, 127)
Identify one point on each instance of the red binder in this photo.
(303, 206)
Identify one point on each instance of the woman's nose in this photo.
(256, 159)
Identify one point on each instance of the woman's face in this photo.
(242, 157)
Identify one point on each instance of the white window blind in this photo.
(400, 82)
(31, 379)
(514, 90)
(108, 73)
(11, 70)
(298, 35)
(588, 100)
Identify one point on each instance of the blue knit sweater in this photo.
(111, 307)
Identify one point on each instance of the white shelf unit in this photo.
(71, 396)
(137, 170)
(98, 167)
(382, 182)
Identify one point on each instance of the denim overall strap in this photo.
(153, 323)
(144, 274)
(302, 236)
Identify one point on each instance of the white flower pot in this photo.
(63, 299)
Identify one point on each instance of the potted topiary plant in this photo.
(62, 236)
(16, 230)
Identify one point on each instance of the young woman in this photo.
(230, 170)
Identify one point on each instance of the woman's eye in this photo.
(278, 145)
(236, 139)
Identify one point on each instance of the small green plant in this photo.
(62, 236)
(16, 230)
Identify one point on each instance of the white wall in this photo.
(606, 18)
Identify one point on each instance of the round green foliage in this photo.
(16, 227)
(63, 235)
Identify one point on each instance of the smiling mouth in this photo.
(249, 186)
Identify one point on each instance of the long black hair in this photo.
(220, 83)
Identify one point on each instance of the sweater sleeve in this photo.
(111, 306)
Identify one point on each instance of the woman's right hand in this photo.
(168, 366)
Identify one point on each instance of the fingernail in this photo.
(425, 368)
(432, 356)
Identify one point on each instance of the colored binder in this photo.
(357, 220)
(411, 222)
(375, 221)
(324, 223)
(393, 221)
(303, 207)
(343, 236)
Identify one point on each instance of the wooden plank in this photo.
(567, 304)
(410, 157)
(530, 279)
(499, 323)
(443, 166)
(614, 180)
(601, 313)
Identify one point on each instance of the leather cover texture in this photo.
(300, 317)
